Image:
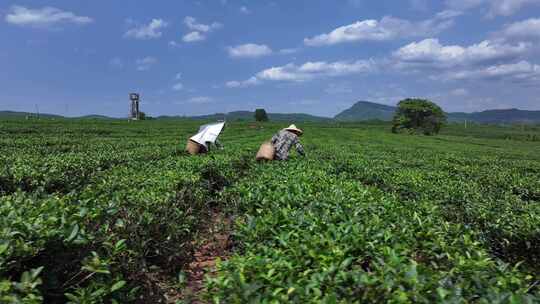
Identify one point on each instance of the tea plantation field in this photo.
(112, 212)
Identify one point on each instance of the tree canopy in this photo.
(261, 115)
(418, 116)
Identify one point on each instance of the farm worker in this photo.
(285, 139)
(207, 135)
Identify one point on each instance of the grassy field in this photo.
(116, 212)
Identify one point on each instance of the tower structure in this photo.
(134, 113)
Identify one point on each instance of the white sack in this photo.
(208, 133)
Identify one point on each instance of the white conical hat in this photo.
(293, 128)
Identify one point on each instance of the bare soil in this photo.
(213, 244)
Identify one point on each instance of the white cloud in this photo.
(288, 51)
(312, 70)
(522, 71)
(338, 89)
(431, 53)
(529, 28)
(245, 10)
(198, 30)
(178, 86)
(496, 7)
(509, 7)
(448, 14)
(388, 28)
(307, 71)
(178, 76)
(192, 24)
(485, 61)
(460, 92)
(148, 31)
(249, 50)
(200, 99)
(193, 37)
(43, 17)
(243, 84)
(145, 64)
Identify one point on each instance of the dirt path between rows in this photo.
(215, 243)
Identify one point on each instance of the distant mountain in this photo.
(95, 117)
(497, 116)
(217, 116)
(297, 117)
(364, 110)
(13, 114)
(250, 116)
(232, 116)
(360, 111)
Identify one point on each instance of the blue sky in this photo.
(315, 56)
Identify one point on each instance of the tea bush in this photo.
(106, 211)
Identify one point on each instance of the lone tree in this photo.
(418, 116)
(260, 115)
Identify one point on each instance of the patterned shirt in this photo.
(283, 142)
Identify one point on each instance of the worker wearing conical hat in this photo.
(285, 139)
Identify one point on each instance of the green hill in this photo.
(360, 111)
(250, 116)
(98, 117)
(365, 110)
(22, 115)
(498, 116)
(297, 117)
(14, 114)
